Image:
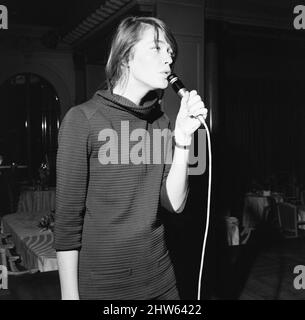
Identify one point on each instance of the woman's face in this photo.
(150, 62)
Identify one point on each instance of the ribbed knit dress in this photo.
(110, 212)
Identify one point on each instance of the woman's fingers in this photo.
(200, 111)
(194, 100)
(196, 123)
(185, 100)
(192, 105)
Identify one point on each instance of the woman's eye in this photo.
(156, 48)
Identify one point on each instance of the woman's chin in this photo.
(163, 85)
(160, 85)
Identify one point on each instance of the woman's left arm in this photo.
(186, 124)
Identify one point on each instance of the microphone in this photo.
(180, 89)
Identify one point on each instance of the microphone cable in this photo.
(180, 89)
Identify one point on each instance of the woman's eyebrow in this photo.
(162, 42)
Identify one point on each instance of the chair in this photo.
(9, 260)
(288, 220)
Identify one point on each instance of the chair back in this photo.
(288, 219)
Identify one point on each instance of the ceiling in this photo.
(73, 22)
(82, 24)
(39, 13)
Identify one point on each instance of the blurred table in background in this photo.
(36, 200)
(257, 207)
(34, 245)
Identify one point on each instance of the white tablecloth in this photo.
(33, 245)
(232, 231)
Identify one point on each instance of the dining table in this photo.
(256, 207)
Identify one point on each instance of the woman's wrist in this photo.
(181, 139)
(182, 146)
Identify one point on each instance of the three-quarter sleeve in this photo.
(164, 199)
(71, 180)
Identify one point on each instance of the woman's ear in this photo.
(125, 64)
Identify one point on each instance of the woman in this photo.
(108, 234)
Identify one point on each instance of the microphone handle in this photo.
(181, 94)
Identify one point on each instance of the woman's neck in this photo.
(131, 92)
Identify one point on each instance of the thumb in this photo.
(185, 100)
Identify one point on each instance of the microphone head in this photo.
(176, 84)
(172, 78)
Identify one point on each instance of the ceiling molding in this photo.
(103, 16)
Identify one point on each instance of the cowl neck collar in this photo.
(149, 109)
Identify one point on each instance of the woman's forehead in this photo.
(151, 34)
(148, 32)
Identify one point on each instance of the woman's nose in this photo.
(168, 58)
